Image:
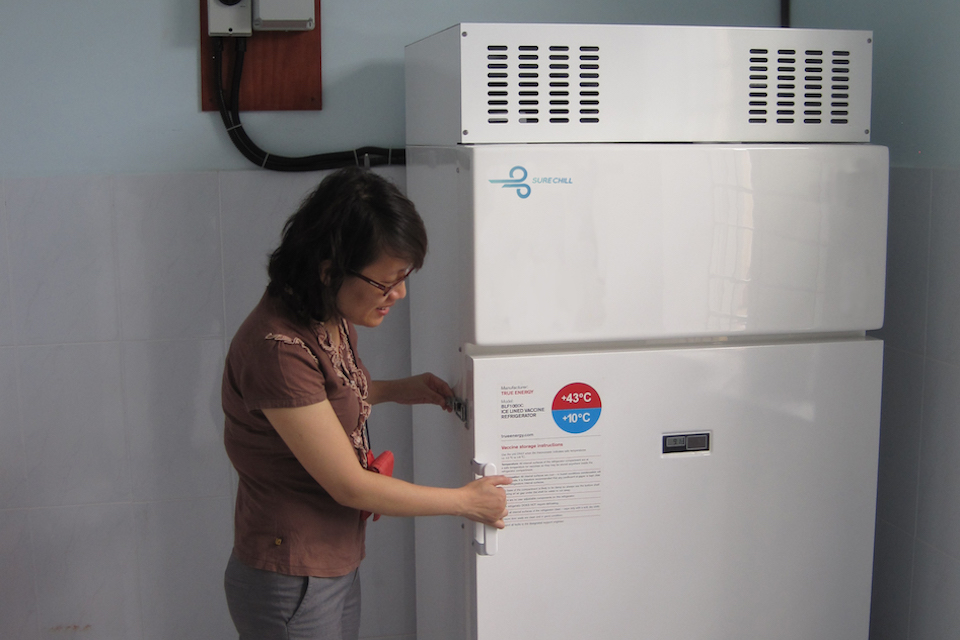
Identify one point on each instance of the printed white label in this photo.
(556, 473)
(553, 480)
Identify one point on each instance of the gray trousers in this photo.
(271, 606)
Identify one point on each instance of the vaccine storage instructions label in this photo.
(551, 451)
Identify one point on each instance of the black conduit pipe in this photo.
(785, 13)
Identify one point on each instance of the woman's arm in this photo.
(317, 439)
(425, 388)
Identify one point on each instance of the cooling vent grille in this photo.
(810, 87)
(533, 84)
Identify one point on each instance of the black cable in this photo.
(785, 13)
(221, 103)
(369, 156)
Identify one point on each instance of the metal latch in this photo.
(459, 406)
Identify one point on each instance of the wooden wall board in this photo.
(281, 69)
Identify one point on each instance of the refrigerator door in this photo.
(701, 493)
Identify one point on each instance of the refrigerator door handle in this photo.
(484, 535)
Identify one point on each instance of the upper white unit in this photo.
(549, 244)
(505, 83)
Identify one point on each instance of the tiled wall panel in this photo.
(917, 560)
(118, 297)
(61, 257)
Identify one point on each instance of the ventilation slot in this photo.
(559, 84)
(759, 85)
(497, 83)
(811, 87)
(529, 83)
(840, 88)
(590, 85)
(786, 86)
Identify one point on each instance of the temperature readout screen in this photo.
(686, 442)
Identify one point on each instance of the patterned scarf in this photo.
(345, 363)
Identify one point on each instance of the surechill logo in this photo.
(518, 181)
(523, 189)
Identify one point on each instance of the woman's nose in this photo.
(399, 291)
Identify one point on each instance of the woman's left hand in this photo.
(425, 388)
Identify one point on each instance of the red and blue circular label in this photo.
(576, 407)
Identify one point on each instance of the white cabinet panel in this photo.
(618, 242)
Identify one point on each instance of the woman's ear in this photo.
(325, 272)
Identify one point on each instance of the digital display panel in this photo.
(686, 442)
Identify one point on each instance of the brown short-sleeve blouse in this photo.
(284, 520)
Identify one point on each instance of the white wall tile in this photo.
(938, 513)
(183, 549)
(169, 256)
(922, 335)
(943, 294)
(908, 239)
(900, 426)
(18, 602)
(13, 469)
(892, 570)
(174, 421)
(387, 577)
(254, 207)
(934, 614)
(86, 571)
(71, 407)
(385, 350)
(7, 327)
(397, 174)
(61, 258)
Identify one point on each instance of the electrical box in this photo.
(284, 15)
(281, 68)
(228, 19)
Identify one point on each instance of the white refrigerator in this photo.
(664, 345)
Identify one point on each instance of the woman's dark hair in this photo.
(352, 219)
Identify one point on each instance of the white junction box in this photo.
(506, 83)
(228, 20)
(284, 15)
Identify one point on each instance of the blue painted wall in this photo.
(916, 73)
(108, 86)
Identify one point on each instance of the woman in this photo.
(296, 398)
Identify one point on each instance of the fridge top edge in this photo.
(495, 351)
(632, 25)
(659, 143)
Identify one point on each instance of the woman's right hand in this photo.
(485, 500)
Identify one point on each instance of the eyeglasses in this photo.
(384, 288)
